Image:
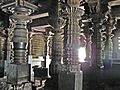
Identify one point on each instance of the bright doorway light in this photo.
(82, 54)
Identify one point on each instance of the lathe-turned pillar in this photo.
(20, 36)
(19, 70)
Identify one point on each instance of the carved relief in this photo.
(94, 6)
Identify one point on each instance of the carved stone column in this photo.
(20, 36)
(1, 52)
(19, 66)
(97, 35)
(97, 42)
(55, 66)
(37, 45)
(87, 33)
(73, 34)
(110, 26)
(46, 34)
(7, 45)
(71, 61)
(108, 44)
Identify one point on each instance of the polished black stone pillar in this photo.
(55, 66)
(20, 41)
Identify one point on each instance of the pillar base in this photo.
(51, 83)
(65, 81)
(18, 73)
(70, 81)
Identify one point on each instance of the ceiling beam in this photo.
(40, 28)
(114, 2)
(40, 15)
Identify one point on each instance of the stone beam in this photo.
(40, 28)
(10, 6)
(114, 6)
(39, 15)
(114, 2)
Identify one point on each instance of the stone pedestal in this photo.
(18, 74)
(70, 81)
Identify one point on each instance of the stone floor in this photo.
(102, 79)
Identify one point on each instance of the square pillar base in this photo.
(70, 81)
(18, 73)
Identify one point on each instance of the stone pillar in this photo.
(55, 66)
(46, 34)
(73, 34)
(110, 26)
(71, 73)
(20, 36)
(106, 31)
(7, 45)
(107, 27)
(71, 61)
(87, 33)
(37, 45)
(97, 35)
(19, 70)
(2, 69)
(107, 45)
(97, 42)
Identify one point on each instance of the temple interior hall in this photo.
(59, 44)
